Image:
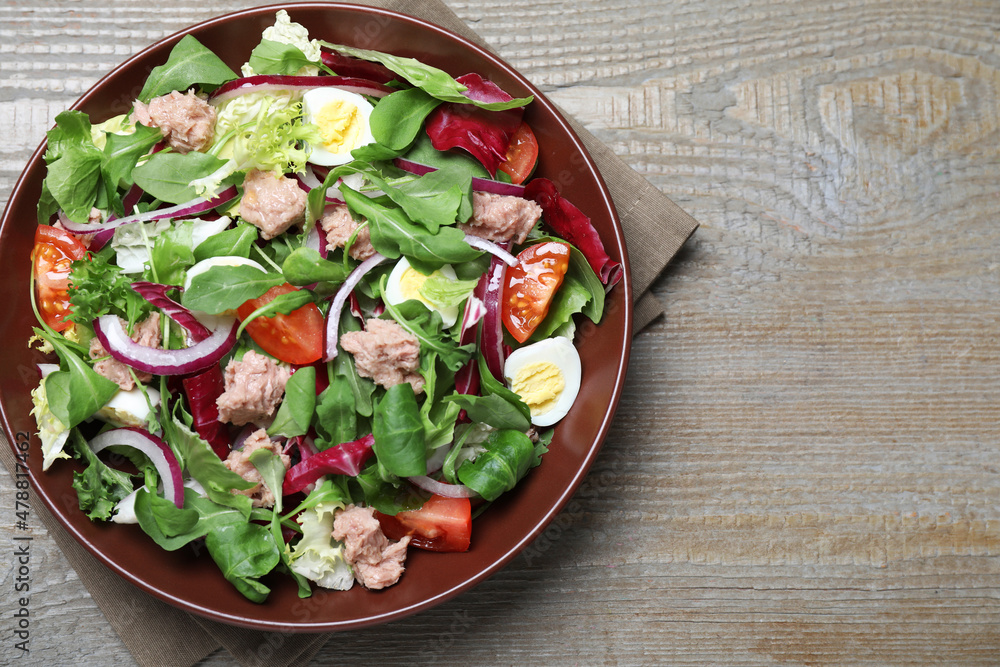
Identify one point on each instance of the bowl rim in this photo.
(542, 523)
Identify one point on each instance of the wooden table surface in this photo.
(804, 468)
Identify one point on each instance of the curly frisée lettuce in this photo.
(393, 407)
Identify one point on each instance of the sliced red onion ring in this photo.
(198, 357)
(490, 290)
(158, 452)
(193, 207)
(441, 488)
(156, 294)
(492, 248)
(268, 82)
(333, 317)
(467, 377)
(479, 184)
(101, 238)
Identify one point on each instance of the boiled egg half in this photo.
(404, 283)
(344, 122)
(546, 375)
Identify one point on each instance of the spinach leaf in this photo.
(244, 552)
(189, 63)
(305, 266)
(424, 152)
(98, 488)
(432, 200)
(336, 416)
(399, 117)
(399, 432)
(224, 288)
(433, 81)
(75, 392)
(233, 242)
(491, 409)
(270, 57)
(72, 130)
(384, 495)
(73, 181)
(490, 385)
(169, 176)
(152, 511)
(508, 457)
(297, 407)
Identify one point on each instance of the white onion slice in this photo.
(492, 248)
(158, 452)
(333, 317)
(441, 488)
(191, 359)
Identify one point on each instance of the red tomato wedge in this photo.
(442, 524)
(522, 155)
(296, 338)
(531, 285)
(55, 249)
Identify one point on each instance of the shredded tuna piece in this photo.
(272, 202)
(387, 353)
(146, 333)
(187, 121)
(376, 561)
(239, 462)
(501, 217)
(339, 225)
(254, 387)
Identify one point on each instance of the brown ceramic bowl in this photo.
(191, 580)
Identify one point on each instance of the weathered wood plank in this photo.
(803, 468)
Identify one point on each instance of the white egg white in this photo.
(129, 408)
(559, 352)
(396, 292)
(313, 102)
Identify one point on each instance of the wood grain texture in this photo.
(804, 466)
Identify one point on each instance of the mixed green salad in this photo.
(328, 281)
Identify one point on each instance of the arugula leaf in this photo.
(235, 242)
(77, 392)
(433, 81)
(432, 200)
(305, 266)
(122, 151)
(393, 234)
(491, 409)
(296, 410)
(189, 63)
(282, 304)
(98, 488)
(224, 288)
(152, 511)
(508, 457)
(169, 176)
(399, 432)
(270, 57)
(336, 414)
(244, 552)
(383, 494)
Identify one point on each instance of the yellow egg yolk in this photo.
(339, 126)
(539, 385)
(410, 283)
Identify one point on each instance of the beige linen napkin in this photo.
(159, 634)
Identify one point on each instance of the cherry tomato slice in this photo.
(522, 154)
(296, 338)
(442, 524)
(55, 249)
(531, 285)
